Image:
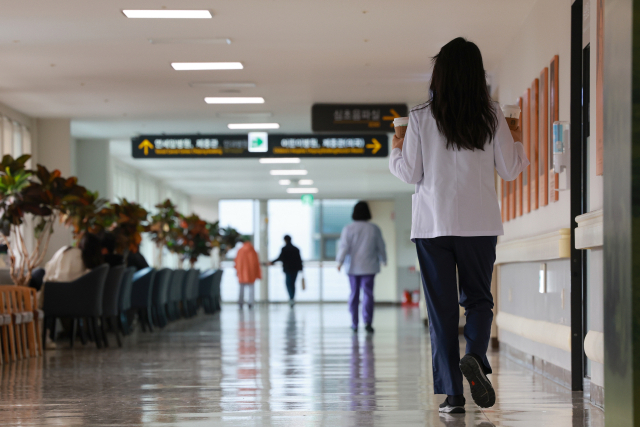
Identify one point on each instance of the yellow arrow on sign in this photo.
(376, 146)
(394, 115)
(146, 144)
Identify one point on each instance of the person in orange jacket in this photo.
(248, 269)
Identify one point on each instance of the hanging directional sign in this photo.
(355, 117)
(259, 144)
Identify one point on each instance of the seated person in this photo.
(108, 250)
(69, 263)
(137, 260)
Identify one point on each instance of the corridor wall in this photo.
(539, 236)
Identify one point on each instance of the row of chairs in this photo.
(166, 295)
(105, 300)
(19, 324)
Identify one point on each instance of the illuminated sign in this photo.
(259, 144)
(356, 117)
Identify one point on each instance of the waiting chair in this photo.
(160, 296)
(217, 297)
(141, 294)
(190, 293)
(110, 302)
(175, 294)
(205, 289)
(81, 298)
(124, 300)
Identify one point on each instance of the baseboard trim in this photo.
(597, 395)
(548, 370)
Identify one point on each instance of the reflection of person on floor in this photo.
(453, 145)
(248, 269)
(291, 265)
(362, 380)
(361, 244)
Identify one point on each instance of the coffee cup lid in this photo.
(511, 110)
(401, 121)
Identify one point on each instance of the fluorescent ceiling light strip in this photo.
(253, 126)
(289, 172)
(284, 182)
(234, 100)
(206, 66)
(302, 190)
(221, 40)
(265, 160)
(305, 182)
(231, 85)
(168, 14)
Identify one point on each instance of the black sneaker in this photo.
(448, 408)
(369, 328)
(481, 389)
(354, 329)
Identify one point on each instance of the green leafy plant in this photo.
(194, 238)
(87, 214)
(41, 196)
(127, 221)
(162, 227)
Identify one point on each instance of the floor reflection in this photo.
(362, 382)
(271, 366)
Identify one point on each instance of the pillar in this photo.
(263, 230)
(622, 212)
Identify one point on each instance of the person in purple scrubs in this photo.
(363, 249)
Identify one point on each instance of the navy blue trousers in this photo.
(474, 258)
(290, 280)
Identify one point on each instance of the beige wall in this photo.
(386, 287)
(55, 150)
(545, 33)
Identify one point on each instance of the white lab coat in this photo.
(455, 189)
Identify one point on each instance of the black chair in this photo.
(110, 302)
(217, 298)
(81, 298)
(124, 300)
(141, 296)
(206, 292)
(160, 297)
(175, 294)
(190, 293)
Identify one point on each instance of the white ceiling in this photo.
(84, 60)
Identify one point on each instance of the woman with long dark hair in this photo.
(452, 147)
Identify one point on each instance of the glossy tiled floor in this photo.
(270, 367)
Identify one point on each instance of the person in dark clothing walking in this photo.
(291, 265)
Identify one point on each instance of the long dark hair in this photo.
(91, 247)
(460, 100)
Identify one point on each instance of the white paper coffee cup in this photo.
(512, 115)
(401, 121)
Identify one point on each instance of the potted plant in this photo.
(161, 227)
(194, 238)
(128, 222)
(40, 195)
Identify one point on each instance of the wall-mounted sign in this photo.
(355, 117)
(259, 144)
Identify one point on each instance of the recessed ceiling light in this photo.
(234, 100)
(168, 14)
(253, 126)
(223, 85)
(308, 190)
(221, 40)
(266, 160)
(206, 66)
(305, 182)
(284, 182)
(289, 172)
(244, 116)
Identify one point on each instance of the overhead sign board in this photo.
(259, 144)
(356, 117)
